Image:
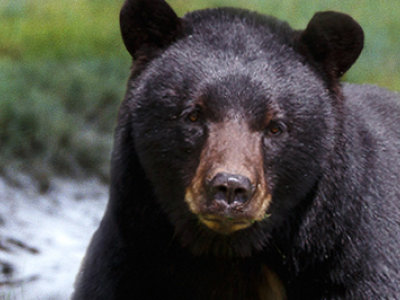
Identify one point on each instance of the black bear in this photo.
(243, 169)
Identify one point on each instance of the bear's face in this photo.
(221, 137)
(232, 121)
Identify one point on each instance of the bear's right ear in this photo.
(334, 40)
(148, 26)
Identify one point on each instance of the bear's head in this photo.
(232, 116)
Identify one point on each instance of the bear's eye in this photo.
(275, 128)
(194, 116)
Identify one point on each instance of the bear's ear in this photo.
(148, 26)
(334, 40)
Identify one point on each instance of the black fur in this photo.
(333, 172)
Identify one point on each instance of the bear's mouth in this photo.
(227, 219)
(225, 225)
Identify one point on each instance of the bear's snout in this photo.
(229, 191)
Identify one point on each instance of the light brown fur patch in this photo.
(231, 148)
(271, 287)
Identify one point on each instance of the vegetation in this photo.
(63, 70)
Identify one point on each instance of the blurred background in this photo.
(63, 72)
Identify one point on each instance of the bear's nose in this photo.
(230, 188)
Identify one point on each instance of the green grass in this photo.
(60, 30)
(59, 115)
(63, 71)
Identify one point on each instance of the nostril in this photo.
(240, 191)
(222, 189)
(241, 195)
(220, 193)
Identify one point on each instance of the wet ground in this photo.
(43, 236)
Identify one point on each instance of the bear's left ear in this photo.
(334, 40)
(148, 26)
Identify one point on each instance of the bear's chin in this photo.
(215, 240)
(225, 225)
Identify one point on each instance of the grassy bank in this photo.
(63, 70)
